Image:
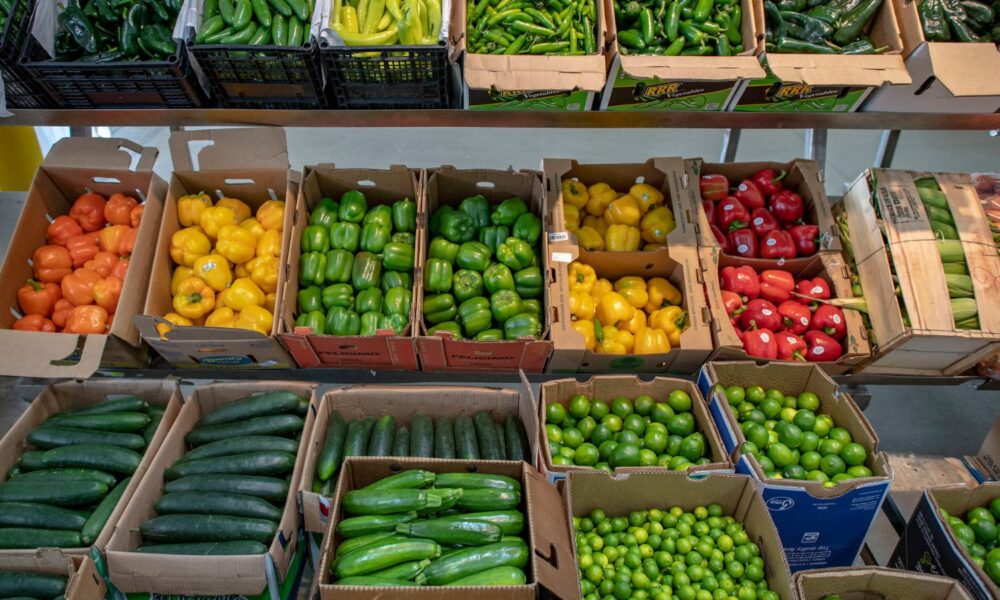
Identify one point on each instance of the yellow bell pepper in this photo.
(187, 245)
(581, 305)
(598, 224)
(657, 224)
(613, 308)
(574, 193)
(271, 215)
(571, 217)
(600, 196)
(615, 341)
(670, 320)
(193, 298)
(255, 318)
(264, 272)
(220, 297)
(586, 329)
(623, 211)
(240, 270)
(651, 341)
(635, 324)
(661, 293)
(214, 270)
(269, 244)
(237, 244)
(581, 277)
(222, 317)
(190, 207)
(633, 289)
(602, 287)
(175, 320)
(180, 274)
(646, 195)
(243, 293)
(622, 238)
(590, 239)
(254, 226)
(214, 219)
(269, 300)
(239, 207)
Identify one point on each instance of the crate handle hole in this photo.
(925, 85)
(486, 185)
(237, 181)
(133, 157)
(366, 183)
(105, 180)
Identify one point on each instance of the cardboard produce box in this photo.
(72, 167)
(608, 387)
(82, 579)
(132, 572)
(250, 165)
(929, 546)
(549, 569)
(620, 495)
(448, 186)
(930, 344)
(386, 350)
(876, 583)
(403, 403)
(819, 526)
(75, 394)
(985, 464)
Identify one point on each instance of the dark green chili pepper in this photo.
(158, 37)
(961, 29)
(516, 46)
(263, 14)
(932, 20)
(241, 37)
(217, 37)
(675, 47)
(531, 28)
(632, 9)
(213, 25)
(157, 11)
(209, 10)
(697, 51)
(722, 47)
(812, 30)
(709, 27)
(855, 21)
(793, 5)
(630, 38)
(792, 46)
(242, 14)
(775, 24)
(646, 25)
(589, 43)
(128, 38)
(673, 20)
(702, 9)
(280, 6)
(227, 11)
(733, 27)
(262, 37)
(692, 33)
(296, 33)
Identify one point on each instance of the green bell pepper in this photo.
(498, 277)
(353, 207)
(528, 227)
(532, 305)
(369, 323)
(528, 282)
(516, 254)
(374, 237)
(522, 325)
(458, 227)
(367, 271)
(338, 294)
(447, 327)
(505, 304)
(478, 208)
(404, 215)
(398, 302)
(398, 256)
(313, 320)
(342, 321)
(397, 323)
(437, 218)
(443, 249)
(439, 308)
(473, 255)
(324, 213)
(345, 236)
(380, 215)
(405, 237)
(490, 335)
(466, 284)
(311, 268)
(475, 316)
(309, 299)
(315, 238)
(339, 264)
(507, 212)
(369, 300)
(494, 236)
(395, 279)
(437, 275)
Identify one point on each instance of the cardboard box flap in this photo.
(693, 68)
(833, 70)
(97, 153)
(41, 560)
(508, 73)
(208, 149)
(988, 456)
(21, 351)
(951, 63)
(872, 583)
(553, 557)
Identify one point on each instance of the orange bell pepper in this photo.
(88, 210)
(83, 247)
(238, 206)
(51, 263)
(36, 298)
(126, 243)
(61, 229)
(109, 237)
(120, 268)
(34, 323)
(87, 319)
(118, 210)
(135, 215)
(102, 262)
(107, 292)
(78, 286)
(60, 312)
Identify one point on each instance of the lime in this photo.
(832, 465)
(562, 461)
(624, 455)
(572, 437)
(606, 448)
(805, 419)
(612, 422)
(854, 454)
(810, 441)
(757, 416)
(808, 401)
(828, 446)
(995, 508)
(655, 441)
(788, 434)
(755, 394)
(744, 409)
(979, 513)
(567, 452)
(770, 407)
(586, 426)
(858, 471)
(787, 414)
(679, 463)
(653, 426)
(579, 406)
(991, 565)
(757, 434)
(984, 530)
(789, 402)
(822, 427)
(600, 434)
(735, 395)
(674, 444)
(627, 436)
(598, 409)
(569, 421)
(644, 405)
(775, 394)
(647, 458)
(965, 535)
(662, 413)
(679, 400)
(766, 464)
(810, 460)
(555, 413)
(553, 433)
(693, 447)
(780, 454)
(681, 424)
(587, 455)
(841, 435)
(621, 407)
(772, 437)
(817, 475)
(636, 423)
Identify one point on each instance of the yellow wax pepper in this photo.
(602, 287)
(615, 341)
(661, 293)
(622, 238)
(670, 320)
(193, 298)
(574, 193)
(180, 274)
(633, 289)
(581, 305)
(600, 196)
(239, 207)
(264, 272)
(255, 318)
(269, 300)
(590, 239)
(598, 224)
(646, 195)
(634, 325)
(571, 217)
(213, 219)
(586, 329)
(243, 293)
(269, 244)
(613, 308)
(190, 207)
(237, 244)
(214, 270)
(271, 215)
(241, 270)
(221, 317)
(657, 224)
(254, 226)
(623, 211)
(651, 341)
(581, 277)
(187, 245)
(174, 319)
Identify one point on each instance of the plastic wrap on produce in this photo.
(325, 33)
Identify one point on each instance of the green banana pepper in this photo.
(367, 271)
(342, 321)
(516, 254)
(528, 227)
(478, 208)
(339, 265)
(404, 215)
(533, 306)
(437, 275)
(395, 279)
(398, 256)
(311, 268)
(508, 211)
(324, 213)
(528, 282)
(447, 327)
(458, 227)
(369, 323)
(398, 301)
(475, 316)
(473, 255)
(353, 207)
(313, 320)
(437, 218)
(494, 236)
(369, 300)
(315, 238)
(345, 236)
(338, 294)
(498, 277)
(374, 237)
(466, 284)
(397, 323)
(439, 308)
(443, 249)
(504, 305)
(405, 237)
(490, 335)
(309, 299)
(380, 215)
(522, 325)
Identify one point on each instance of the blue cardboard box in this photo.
(819, 526)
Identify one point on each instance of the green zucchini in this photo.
(387, 502)
(444, 438)
(54, 436)
(99, 518)
(269, 425)
(118, 421)
(449, 498)
(510, 522)
(255, 463)
(516, 440)
(242, 445)
(217, 503)
(404, 480)
(358, 432)
(486, 434)
(27, 514)
(467, 561)
(24, 537)
(34, 585)
(362, 541)
(421, 436)
(381, 440)
(155, 418)
(466, 446)
(31, 461)
(368, 580)
(57, 493)
(205, 548)
(67, 475)
(93, 456)
(260, 405)
(357, 526)
(452, 531)
(401, 443)
(333, 447)
(406, 571)
(271, 489)
(501, 443)
(494, 576)
(365, 561)
(489, 499)
(111, 405)
(477, 481)
(207, 528)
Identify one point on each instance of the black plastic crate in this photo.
(388, 76)
(20, 88)
(269, 77)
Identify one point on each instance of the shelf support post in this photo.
(887, 148)
(730, 144)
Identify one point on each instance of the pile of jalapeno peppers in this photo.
(679, 27)
(820, 26)
(554, 27)
(103, 31)
(255, 22)
(960, 20)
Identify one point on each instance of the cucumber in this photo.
(14, 471)
(326, 488)
(444, 438)
(217, 503)
(93, 456)
(489, 444)
(110, 405)
(31, 461)
(387, 502)
(254, 463)
(67, 475)
(516, 440)
(333, 448)
(99, 518)
(54, 436)
(406, 571)
(26, 514)
(401, 443)
(501, 445)
(368, 580)
(510, 522)
(302, 408)
(489, 499)
(381, 440)
(58, 493)
(155, 418)
(117, 421)
(207, 528)
(362, 541)
(271, 489)
(477, 481)
(352, 527)
(466, 446)
(205, 548)
(242, 445)
(367, 561)
(494, 576)
(421, 436)
(452, 531)
(358, 432)
(468, 561)
(261, 405)
(405, 480)
(34, 585)
(25, 537)
(269, 425)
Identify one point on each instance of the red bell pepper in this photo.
(822, 347)
(733, 303)
(805, 237)
(760, 343)
(814, 289)
(776, 286)
(767, 181)
(787, 206)
(760, 314)
(709, 207)
(777, 244)
(720, 237)
(763, 222)
(795, 316)
(732, 215)
(749, 194)
(791, 347)
(740, 280)
(743, 242)
(714, 187)
(830, 320)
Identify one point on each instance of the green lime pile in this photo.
(628, 433)
(668, 555)
(791, 440)
(979, 536)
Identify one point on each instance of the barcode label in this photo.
(559, 236)
(899, 206)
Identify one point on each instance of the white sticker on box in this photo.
(562, 257)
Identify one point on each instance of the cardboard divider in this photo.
(83, 582)
(72, 167)
(547, 536)
(864, 583)
(74, 394)
(448, 186)
(403, 403)
(132, 572)
(386, 350)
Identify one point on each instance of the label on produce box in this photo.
(557, 100)
(771, 95)
(631, 93)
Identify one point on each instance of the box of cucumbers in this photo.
(70, 462)
(45, 576)
(222, 489)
